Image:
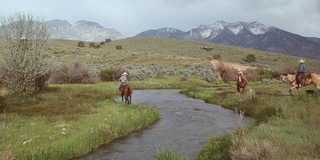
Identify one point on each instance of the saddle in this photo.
(304, 78)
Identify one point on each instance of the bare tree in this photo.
(25, 65)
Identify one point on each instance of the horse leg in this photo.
(238, 90)
(242, 90)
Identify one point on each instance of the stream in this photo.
(185, 126)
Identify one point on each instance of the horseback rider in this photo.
(123, 80)
(239, 73)
(301, 72)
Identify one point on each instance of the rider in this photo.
(302, 70)
(123, 80)
(239, 73)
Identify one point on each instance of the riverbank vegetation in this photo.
(66, 121)
(287, 127)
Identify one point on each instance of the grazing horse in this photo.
(241, 83)
(126, 92)
(311, 78)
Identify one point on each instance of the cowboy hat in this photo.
(125, 73)
(301, 61)
(239, 70)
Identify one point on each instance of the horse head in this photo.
(283, 77)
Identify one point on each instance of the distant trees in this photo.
(25, 66)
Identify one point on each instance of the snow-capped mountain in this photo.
(81, 30)
(249, 35)
(161, 33)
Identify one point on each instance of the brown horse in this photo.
(126, 93)
(311, 78)
(292, 80)
(241, 83)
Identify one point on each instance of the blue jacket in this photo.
(302, 68)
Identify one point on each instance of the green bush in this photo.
(118, 47)
(250, 58)
(110, 74)
(92, 45)
(97, 46)
(81, 44)
(217, 57)
(107, 40)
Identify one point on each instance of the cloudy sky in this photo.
(131, 17)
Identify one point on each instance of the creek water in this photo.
(185, 126)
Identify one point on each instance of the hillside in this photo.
(167, 53)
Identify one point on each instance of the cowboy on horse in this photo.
(301, 73)
(123, 80)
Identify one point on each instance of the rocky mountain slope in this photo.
(81, 30)
(245, 34)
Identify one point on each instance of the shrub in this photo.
(102, 43)
(217, 57)
(118, 47)
(92, 45)
(107, 40)
(77, 73)
(97, 46)
(110, 74)
(226, 72)
(250, 58)
(81, 44)
(26, 66)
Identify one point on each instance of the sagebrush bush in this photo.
(111, 74)
(92, 45)
(81, 44)
(25, 64)
(226, 72)
(76, 73)
(118, 47)
(250, 58)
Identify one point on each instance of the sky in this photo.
(131, 17)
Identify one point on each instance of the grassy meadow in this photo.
(69, 120)
(66, 121)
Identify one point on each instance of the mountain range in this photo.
(81, 30)
(245, 34)
(242, 34)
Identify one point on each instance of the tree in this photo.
(25, 65)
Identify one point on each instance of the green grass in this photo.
(287, 127)
(67, 121)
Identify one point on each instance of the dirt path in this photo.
(215, 63)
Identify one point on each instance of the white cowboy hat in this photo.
(125, 73)
(239, 70)
(301, 61)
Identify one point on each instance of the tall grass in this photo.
(67, 121)
(287, 127)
